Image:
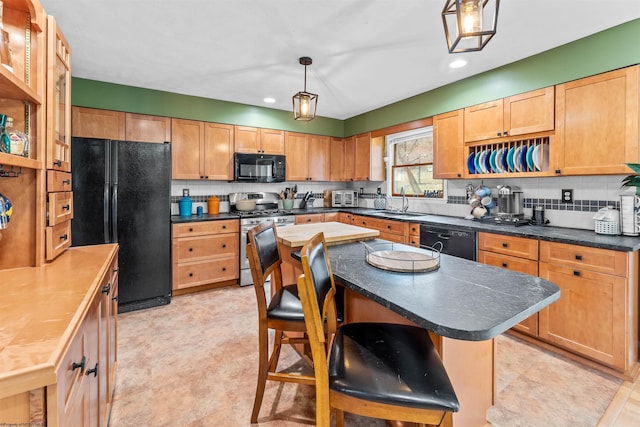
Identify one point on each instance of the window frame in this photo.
(400, 137)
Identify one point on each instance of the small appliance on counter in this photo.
(344, 199)
(510, 203)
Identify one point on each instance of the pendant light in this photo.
(305, 103)
(469, 24)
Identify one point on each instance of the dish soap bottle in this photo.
(185, 203)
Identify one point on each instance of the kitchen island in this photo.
(463, 304)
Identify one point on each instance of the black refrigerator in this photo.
(122, 194)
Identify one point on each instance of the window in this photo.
(411, 162)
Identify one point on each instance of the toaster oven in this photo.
(344, 199)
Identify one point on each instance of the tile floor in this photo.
(193, 363)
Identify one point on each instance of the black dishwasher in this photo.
(455, 242)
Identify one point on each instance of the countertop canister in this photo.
(213, 205)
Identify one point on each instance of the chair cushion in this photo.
(392, 364)
(285, 305)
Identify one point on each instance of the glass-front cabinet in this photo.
(59, 95)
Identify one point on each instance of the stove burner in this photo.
(516, 222)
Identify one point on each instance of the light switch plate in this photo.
(567, 196)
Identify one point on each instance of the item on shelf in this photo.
(5, 49)
(185, 203)
(5, 142)
(18, 141)
(6, 210)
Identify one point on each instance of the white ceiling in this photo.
(366, 53)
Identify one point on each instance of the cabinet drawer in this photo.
(397, 238)
(60, 207)
(388, 227)
(309, 218)
(205, 247)
(331, 217)
(72, 369)
(58, 181)
(58, 239)
(206, 227)
(509, 245)
(583, 257)
(414, 229)
(509, 262)
(201, 273)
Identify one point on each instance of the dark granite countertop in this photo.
(553, 234)
(462, 299)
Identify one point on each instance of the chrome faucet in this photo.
(405, 202)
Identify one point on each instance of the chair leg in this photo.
(339, 418)
(275, 354)
(263, 366)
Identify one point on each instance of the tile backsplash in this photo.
(590, 193)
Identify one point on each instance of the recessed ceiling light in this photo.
(458, 63)
(269, 100)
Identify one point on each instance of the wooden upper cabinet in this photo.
(94, 123)
(336, 156)
(145, 128)
(218, 151)
(59, 99)
(377, 170)
(247, 139)
(597, 123)
(349, 158)
(296, 149)
(448, 159)
(362, 158)
(187, 138)
(272, 141)
(521, 114)
(256, 140)
(318, 158)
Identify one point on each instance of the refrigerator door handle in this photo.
(114, 213)
(105, 213)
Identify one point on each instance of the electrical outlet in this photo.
(567, 196)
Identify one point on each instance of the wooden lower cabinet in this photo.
(593, 316)
(393, 231)
(413, 238)
(309, 218)
(515, 254)
(205, 252)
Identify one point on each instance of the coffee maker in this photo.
(510, 203)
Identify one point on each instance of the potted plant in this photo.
(633, 180)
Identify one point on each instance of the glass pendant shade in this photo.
(305, 103)
(469, 24)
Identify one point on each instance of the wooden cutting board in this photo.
(334, 233)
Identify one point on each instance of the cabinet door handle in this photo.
(504, 264)
(106, 288)
(57, 163)
(505, 245)
(576, 273)
(115, 298)
(190, 249)
(388, 227)
(80, 365)
(190, 230)
(224, 226)
(115, 270)
(66, 181)
(224, 268)
(579, 257)
(190, 274)
(505, 133)
(66, 207)
(224, 245)
(499, 134)
(64, 237)
(93, 371)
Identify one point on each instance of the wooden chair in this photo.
(283, 313)
(377, 370)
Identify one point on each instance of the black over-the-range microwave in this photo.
(252, 167)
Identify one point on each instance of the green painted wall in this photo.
(109, 96)
(610, 49)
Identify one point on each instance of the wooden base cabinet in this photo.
(205, 252)
(596, 315)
